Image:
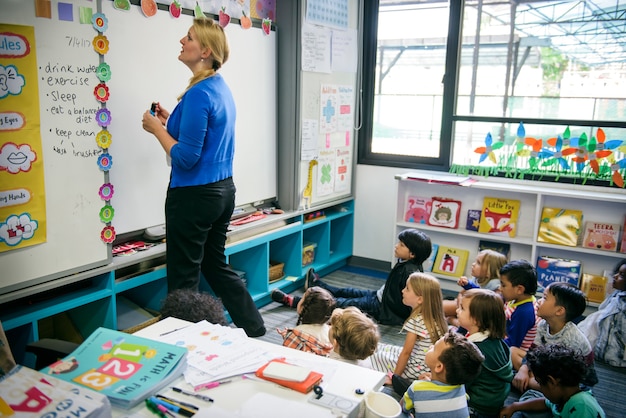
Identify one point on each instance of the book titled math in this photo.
(499, 216)
(124, 367)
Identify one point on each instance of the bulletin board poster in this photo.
(22, 193)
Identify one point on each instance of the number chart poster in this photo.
(22, 197)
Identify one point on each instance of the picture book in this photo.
(450, 261)
(594, 287)
(417, 209)
(28, 393)
(622, 247)
(287, 376)
(601, 236)
(501, 247)
(124, 367)
(473, 219)
(444, 212)
(560, 226)
(428, 264)
(499, 216)
(552, 269)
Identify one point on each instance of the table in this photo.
(258, 398)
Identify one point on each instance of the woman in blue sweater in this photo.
(199, 137)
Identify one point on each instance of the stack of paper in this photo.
(216, 352)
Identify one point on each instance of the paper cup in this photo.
(381, 405)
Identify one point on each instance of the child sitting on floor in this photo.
(311, 331)
(354, 336)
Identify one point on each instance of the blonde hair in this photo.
(210, 35)
(431, 308)
(492, 262)
(356, 335)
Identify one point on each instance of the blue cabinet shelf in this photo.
(90, 301)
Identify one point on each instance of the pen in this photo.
(195, 395)
(210, 385)
(178, 403)
(170, 331)
(182, 411)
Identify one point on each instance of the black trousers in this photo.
(197, 219)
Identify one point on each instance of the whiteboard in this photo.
(144, 66)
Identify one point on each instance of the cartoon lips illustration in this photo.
(17, 158)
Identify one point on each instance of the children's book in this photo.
(499, 216)
(622, 247)
(473, 219)
(289, 375)
(417, 209)
(124, 367)
(28, 393)
(552, 269)
(560, 226)
(444, 212)
(594, 287)
(601, 236)
(450, 261)
(428, 264)
(501, 247)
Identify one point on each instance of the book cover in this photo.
(124, 367)
(594, 287)
(499, 216)
(428, 264)
(303, 386)
(444, 212)
(622, 247)
(473, 219)
(553, 269)
(601, 236)
(560, 226)
(501, 247)
(27, 392)
(417, 209)
(450, 261)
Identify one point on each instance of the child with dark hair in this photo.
(311, 331)
(518, 284)
(385, 304)
(193, 306)
(453, 361)
(354, 336)
(559, 371)
(560, 304)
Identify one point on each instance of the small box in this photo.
(308, 253)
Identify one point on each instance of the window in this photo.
(490, 86)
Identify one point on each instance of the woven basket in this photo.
(276, 271)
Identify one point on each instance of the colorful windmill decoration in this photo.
(601, 149)
(558, 155)
(616, 176)
(488, 150)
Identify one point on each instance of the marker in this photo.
(178, 403)
(195, 395)
(153, 108)
(182, 411)
(210, 385)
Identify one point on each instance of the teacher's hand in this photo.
(151, 123)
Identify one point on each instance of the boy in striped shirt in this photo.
(453, 361)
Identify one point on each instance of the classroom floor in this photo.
(612, 380)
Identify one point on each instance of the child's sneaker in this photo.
(310, 278)
(281, 297)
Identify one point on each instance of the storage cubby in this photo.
(89, 300)
(597, 203)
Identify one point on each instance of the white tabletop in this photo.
(258, 398)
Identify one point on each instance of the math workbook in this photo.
(124, 367)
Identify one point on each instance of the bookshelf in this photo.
(88, 300)
(597, 204)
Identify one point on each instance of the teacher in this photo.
(199, 136)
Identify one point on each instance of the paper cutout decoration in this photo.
(149, 7)
(101, 91)
(108, 234)
(107, 213)
(103, 72)
(103, 117)
(197, 11)
(245, 21)
(105, 161)
(224, 18)
(85, 14)
(103, 139)
(121, 5)
(175, 9)
(100, 22)
(266, 26)
(100, 44)
(106, 191)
